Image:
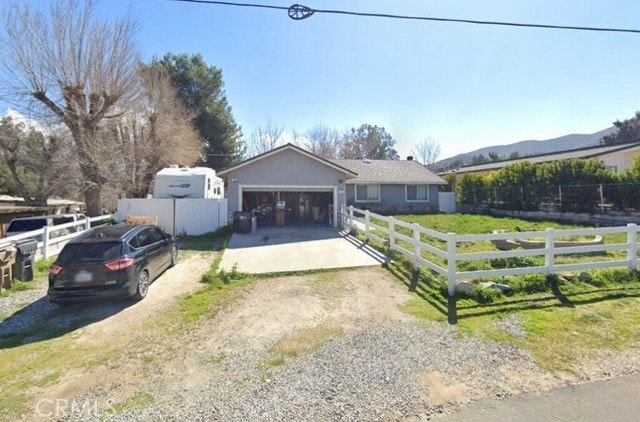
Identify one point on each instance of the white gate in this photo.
(447, 201)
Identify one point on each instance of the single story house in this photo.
(616, 158)
(308, 187)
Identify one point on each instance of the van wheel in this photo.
(174, 256)
(143, 285)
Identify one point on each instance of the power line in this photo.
(299, 12)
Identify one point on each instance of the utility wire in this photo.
(299, 12)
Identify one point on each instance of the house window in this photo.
(613, 169)
(367, 193)
(417, 193)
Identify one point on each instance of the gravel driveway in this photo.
(382, 364)
(327, 346)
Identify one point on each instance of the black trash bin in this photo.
(242, 222)
(25, 259)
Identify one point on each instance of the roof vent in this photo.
(410, 158)
(174, 166)
(367, 161)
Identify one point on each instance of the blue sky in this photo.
(465, 86)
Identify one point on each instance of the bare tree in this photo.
(37, 162)
(78, 68)
(426, 151)
(158, 132)
(323, 141)
(264, 139)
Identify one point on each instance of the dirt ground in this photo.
(275, 308)
(147, 350)
(121, 328)
(125, 356)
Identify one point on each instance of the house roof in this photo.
(584, 153)
(328, 163)
(364, 171)
(390, 171)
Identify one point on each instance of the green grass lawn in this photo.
(564, 321)
(482, 224)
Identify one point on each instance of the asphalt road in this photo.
(616, 399)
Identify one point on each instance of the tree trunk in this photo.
(93, 201)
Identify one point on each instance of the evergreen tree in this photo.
(200, 87)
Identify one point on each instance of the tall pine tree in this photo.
(200, 87)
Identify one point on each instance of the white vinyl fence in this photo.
(360, 220)
(184, 216)
(52, 239)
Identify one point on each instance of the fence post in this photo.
(416, 245)
(601, 199)
(87, 223)
(45, 242)
(549, 250)
(350, 217)
(366, 224)
(392, 233)
(452, 311)
(343, 211)
(632, 246)
(560, 196)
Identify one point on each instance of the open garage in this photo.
(288, 186)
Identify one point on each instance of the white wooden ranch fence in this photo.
(52, 239)
(360, 220)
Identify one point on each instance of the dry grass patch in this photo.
(303, 341)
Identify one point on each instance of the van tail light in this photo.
(120, 264)
(55, 269)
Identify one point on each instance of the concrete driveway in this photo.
(296, 249)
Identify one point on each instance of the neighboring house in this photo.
(616, 158)
(315, 188)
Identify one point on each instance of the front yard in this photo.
(566, 322)
(367, 343)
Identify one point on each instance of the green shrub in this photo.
(472, 189)
(515, 262)
(473, 266)
(609, 276)
(485, 295)
(231, 276)
(529, 283)
(213, 276)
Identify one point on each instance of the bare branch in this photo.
(426, 151)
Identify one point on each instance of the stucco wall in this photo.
(621, 159)
(286, 168)
(392, 201)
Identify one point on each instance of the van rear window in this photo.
(76, 253)
(26, 225)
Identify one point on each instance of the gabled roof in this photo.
(583, 153)
(327, 163)
(390, 172)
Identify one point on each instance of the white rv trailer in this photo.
(188, 182)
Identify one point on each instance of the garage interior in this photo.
(286, 208)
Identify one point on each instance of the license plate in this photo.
(83, 276)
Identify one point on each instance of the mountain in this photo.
(532, 147)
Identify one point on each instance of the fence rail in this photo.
(360, 220)
(52, 239)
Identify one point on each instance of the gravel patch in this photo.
(24, 309)
(378, 372)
